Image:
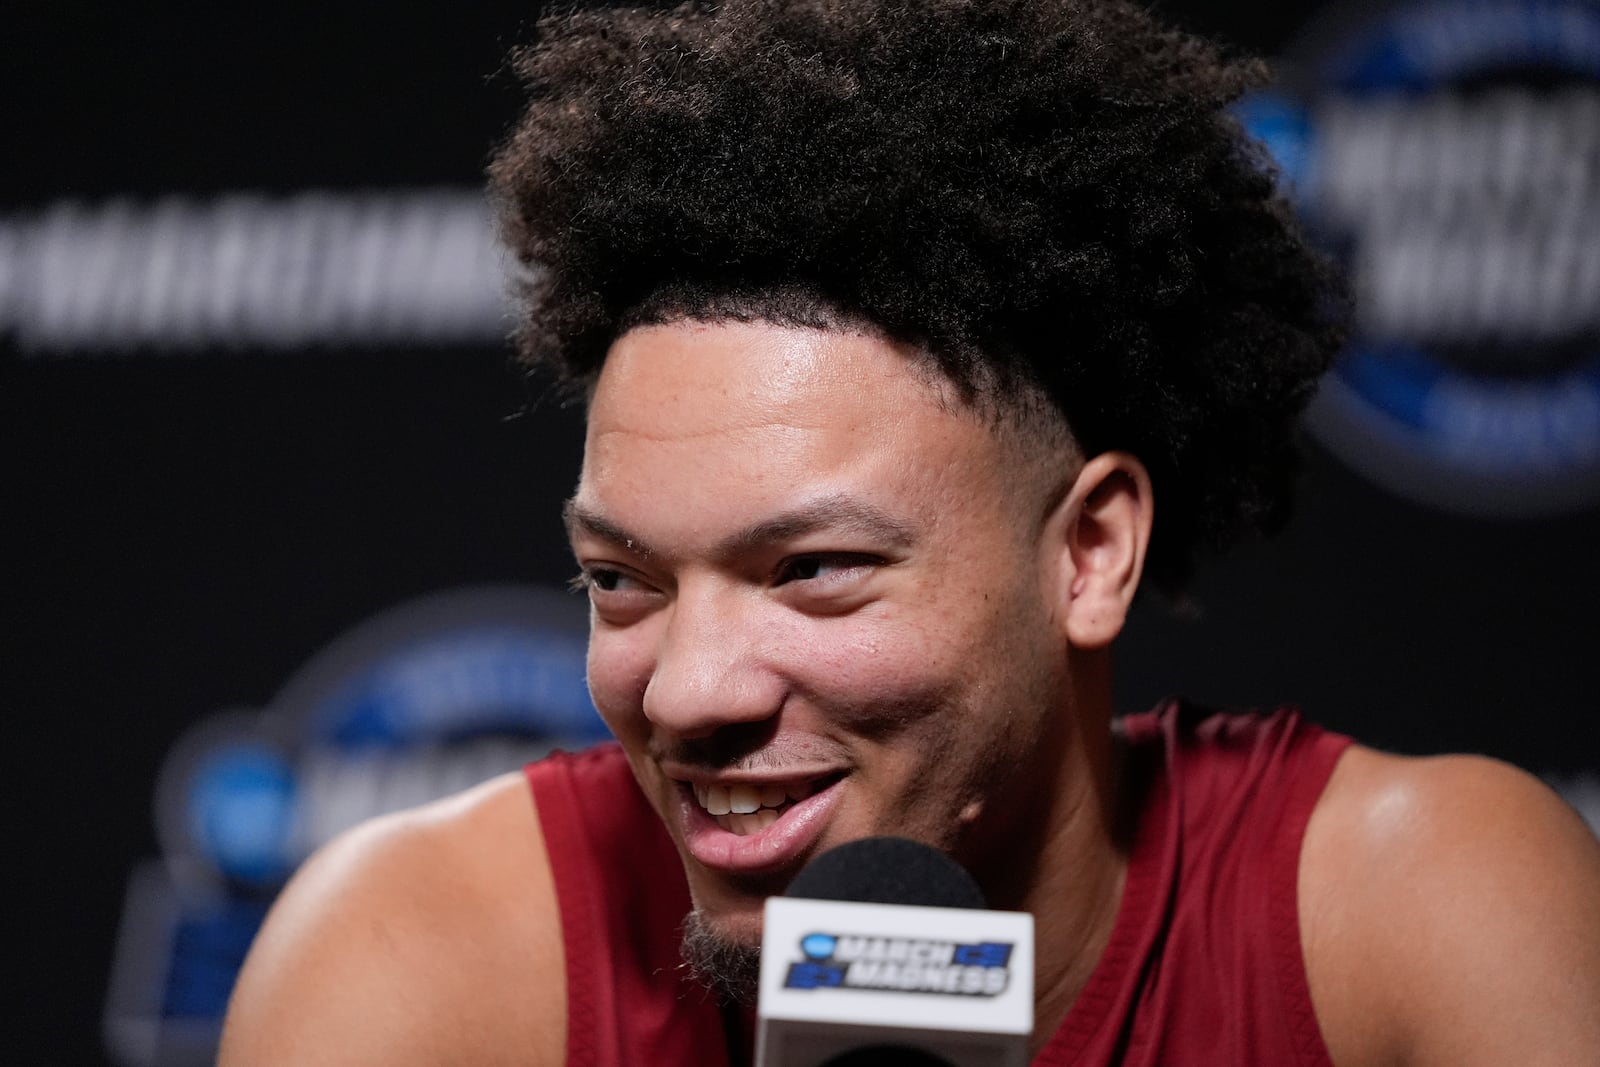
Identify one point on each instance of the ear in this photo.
(1103, 531)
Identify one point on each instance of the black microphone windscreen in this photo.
(888, 870)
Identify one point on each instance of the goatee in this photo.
(729, 969)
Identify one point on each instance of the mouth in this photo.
(746, 808)
(750, 827)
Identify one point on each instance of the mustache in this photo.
(746, 748)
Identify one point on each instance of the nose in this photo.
(710, 668)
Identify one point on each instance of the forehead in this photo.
(712, 417)
(766, 362)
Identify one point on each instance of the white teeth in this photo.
(739, 800)
(743, 799)
(746, 824)
(716, 800)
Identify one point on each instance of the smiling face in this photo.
(825, 602)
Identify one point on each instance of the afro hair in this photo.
(1037, 193)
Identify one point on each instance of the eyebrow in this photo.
(836, 513)
(580, 520)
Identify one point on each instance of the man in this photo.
(915, 337)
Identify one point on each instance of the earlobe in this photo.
(1105, 533)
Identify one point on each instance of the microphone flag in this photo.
(870, 973)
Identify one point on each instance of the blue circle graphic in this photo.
(818, 946)
(240, 809)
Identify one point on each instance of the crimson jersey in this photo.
(1203, 965)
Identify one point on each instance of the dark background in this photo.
(186, 530)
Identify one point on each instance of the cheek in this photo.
(619, 670)
(931, 634)
(875, 675)
(937, 681)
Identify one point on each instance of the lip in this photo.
(780, 845)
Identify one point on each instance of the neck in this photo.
(1073, 886)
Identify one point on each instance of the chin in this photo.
(724, 955)
(738, 924)
(732, 904)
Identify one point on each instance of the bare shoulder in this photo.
(1450, 913)
(430, 936)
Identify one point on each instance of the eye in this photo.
(618, 596)
(824, 566)
(605, 580)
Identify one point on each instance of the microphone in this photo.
(882, 953)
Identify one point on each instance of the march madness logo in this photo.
(901, 965)
(1448, 153)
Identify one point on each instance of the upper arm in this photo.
(424, 938)
(1451, 915)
